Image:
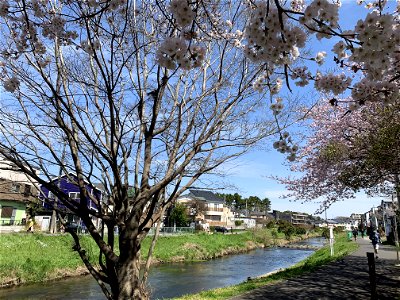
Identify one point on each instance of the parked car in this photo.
(220, 229)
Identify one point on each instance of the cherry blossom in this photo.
(11, 84)
(345, 152)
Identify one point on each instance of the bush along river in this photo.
(177, 279)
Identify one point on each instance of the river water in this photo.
(173, 280)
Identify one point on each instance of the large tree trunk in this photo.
(128, 273)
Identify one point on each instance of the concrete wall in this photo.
(11, 229)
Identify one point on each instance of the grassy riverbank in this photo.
(321, 257)
(27, 258)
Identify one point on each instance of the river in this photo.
(173, 280)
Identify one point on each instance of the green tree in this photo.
(233, 200)
(179, 216)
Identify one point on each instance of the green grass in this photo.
(342, 247)
(34, 257)
(199, 246)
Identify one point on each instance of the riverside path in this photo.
(347, 278)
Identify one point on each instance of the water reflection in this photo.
(173, 280)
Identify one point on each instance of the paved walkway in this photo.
(344, 279)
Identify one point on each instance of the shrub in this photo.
(300, 230)
(282, 225)
(271, 224)
(289, 231)
(238, 222)
(325, 232)
(338, 229)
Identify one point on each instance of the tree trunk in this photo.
(128, 274)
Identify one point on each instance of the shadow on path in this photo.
(347, 278)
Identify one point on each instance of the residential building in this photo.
(385, 216)
(16, 191)
(67, 184)
(284, 216)
(299, 218)
(247, 222)
(212, 209)
(260, 217)
(327, 223)
(296, 218)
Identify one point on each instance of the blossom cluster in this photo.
(182, 12)
(4, 7)
(383, 91)
(175, 52)
(277, 106)
(320, 57)
(90, 46)
(297, 5)
(11, 84)
(378, 33)
(301, 73)
(339, 49)
(264, 80)
(283, 146)
(336, 84)
(267, 42)
(323, 11)
(54, 27)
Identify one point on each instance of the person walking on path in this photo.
(375, 240)
(30, 225)
(355, 233)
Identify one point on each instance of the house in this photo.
(207, 207)
(299, 218)
(327, 223)
(346, 222)
(385, 217)
(16, 191)
(295, 218)
(246, 222)
(67, 184)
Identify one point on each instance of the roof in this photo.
(71, 174)
(206, 196)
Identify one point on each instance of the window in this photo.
(16, 188)
(74, 195)
(213, 218)
(27, 190)
(7, 211)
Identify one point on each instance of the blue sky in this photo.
(250, 174)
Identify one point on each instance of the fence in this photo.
(172, 230)
(12, 222)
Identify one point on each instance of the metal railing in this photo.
(12, 222)
(172, 230)
(214, 209)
